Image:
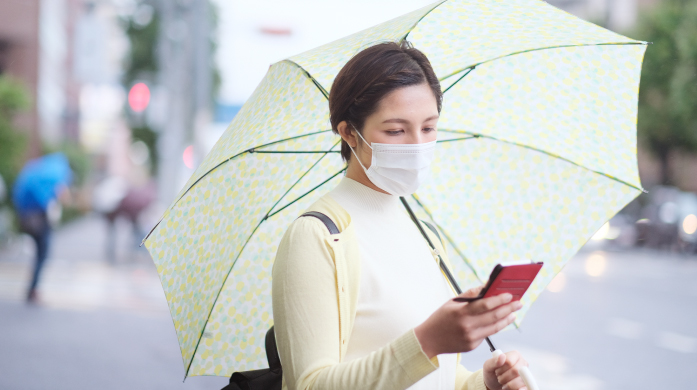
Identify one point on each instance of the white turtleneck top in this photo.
(401, 284)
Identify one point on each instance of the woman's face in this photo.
(407, 115)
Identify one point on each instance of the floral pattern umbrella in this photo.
(537, 150)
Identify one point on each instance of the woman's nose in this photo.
(418, 136)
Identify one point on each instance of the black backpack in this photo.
(264, 379)
(271, 378)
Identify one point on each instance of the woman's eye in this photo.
(395, 132)
(429, 129)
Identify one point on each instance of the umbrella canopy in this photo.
(38, 182)
(537, 149)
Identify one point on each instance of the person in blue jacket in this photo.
(39, 185)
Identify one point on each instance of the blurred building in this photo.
(56, 48)
(19, 54)
(35, 47)
(617, 15)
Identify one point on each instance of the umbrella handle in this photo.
(524, 373)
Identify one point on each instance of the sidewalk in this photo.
(97, 325)
(77, 274)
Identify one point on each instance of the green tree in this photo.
(13, 99)
(142, 65)
(668, 93)
(141, 58)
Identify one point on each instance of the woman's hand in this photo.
(461, 327)
(501, 373)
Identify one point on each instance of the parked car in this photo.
(687, 222)
(668, 220)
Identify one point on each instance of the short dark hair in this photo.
(372, 74)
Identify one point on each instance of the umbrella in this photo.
(39, 180)
(537, 143)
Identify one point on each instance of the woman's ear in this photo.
(346, 132)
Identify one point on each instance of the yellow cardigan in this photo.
(315, 289)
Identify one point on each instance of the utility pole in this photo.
(185, 74)
(203, 77)
(609, 21)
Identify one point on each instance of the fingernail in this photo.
(511, 317)
(518, 305)
(507, 297)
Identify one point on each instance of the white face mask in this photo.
(398, 169)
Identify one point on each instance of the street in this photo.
(631, 327)
(615, 320)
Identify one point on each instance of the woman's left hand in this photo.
(502, 373)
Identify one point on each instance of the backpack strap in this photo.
(331, 226)
(270, 341)
(272, 351)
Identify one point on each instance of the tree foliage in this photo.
(142, 65)
(13, 99)
(668, 93)
(142, 54)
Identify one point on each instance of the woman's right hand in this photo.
(461, 326)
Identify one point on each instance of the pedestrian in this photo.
(369, 307)
(115, 197)
(40, 185)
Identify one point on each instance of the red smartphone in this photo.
(512, 279)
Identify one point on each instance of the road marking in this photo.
(552, 371)
(625, 329)
(677, 342)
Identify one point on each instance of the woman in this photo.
(369, 308)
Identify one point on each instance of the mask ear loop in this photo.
(360, 135)
(354, 152)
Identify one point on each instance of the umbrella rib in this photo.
(198, 342)
(469, 70)
(422, 18)
(292, 151)
(292, 138)
(296, 182)
(224, 162)
(440, 141)
(478, 135)
(538, 49)
(251, 150)
(303, 195)
(447, 236)
(319, 86)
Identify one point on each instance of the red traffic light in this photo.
(188, 156)
(139, 97)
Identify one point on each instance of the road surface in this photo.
(612, 321)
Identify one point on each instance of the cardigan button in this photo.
(343, 341)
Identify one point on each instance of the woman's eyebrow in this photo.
(400, 120)
(395, 120)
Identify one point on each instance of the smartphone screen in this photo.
(512, 279)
